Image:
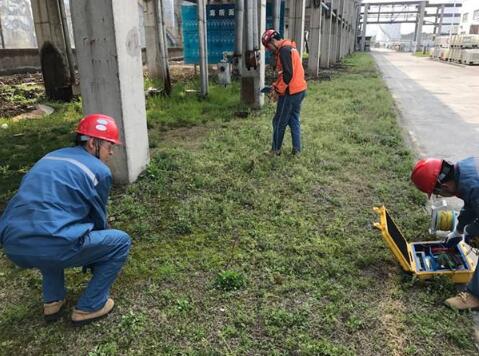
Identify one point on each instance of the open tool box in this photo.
(425, 259)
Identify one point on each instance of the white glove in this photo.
(453, 238)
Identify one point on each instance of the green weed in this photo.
(229, 280)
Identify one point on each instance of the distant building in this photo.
(469, 17)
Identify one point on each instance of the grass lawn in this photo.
(422, 54)
(236, 252)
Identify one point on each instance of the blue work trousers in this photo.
(287, 114)
(473, 285)
(103, 251)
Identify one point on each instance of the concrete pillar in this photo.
(53, 52)
(363, 31)
(334, 33)
(253, 80)
(420, 21)
(2, 39)
(441, 19)
(357, 24)
(347, 29)
(315, 38)
(155, 42)
(339, 34)
(107, 41)
(350, 27)
(297, 10)
(203, 43)
(324, 43)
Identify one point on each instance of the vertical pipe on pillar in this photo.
(239, 22)
(203, 48)
(162, 47)
(276, 15)
(249, 25)
(323, 58)
(315, 37)
(253, 66)
(363, 32)
(68, 45)
(262, 58)
(255, 27)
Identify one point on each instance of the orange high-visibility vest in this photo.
(297, 83)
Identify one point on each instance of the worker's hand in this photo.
(452, 239)
(471, 240)
(273, 95)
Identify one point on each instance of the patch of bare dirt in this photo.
(188, 137)
(19, 93)
(180, 72)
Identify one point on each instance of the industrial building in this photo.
(469, 18)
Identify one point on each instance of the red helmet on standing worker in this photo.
(425, 174)
(99, 126)
(268, 35)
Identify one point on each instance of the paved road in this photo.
(439, 103)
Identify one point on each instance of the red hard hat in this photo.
(267, 35)
(99, 126)
(425, 174)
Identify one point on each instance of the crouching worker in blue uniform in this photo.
(58, 219)
(437, 176)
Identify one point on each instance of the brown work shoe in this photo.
(80, 317)
(272, 153)
(463, 301)
(51, 311)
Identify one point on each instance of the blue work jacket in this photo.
(61, 199)
(466, 175)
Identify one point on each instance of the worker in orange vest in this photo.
(289, 89)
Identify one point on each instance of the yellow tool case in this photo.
(426, 259)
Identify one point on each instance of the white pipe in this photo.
(276, 14)
(249, 25)
(255, 26)
(239, 23)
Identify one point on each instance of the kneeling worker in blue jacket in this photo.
(438, 176)
(58, 219)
